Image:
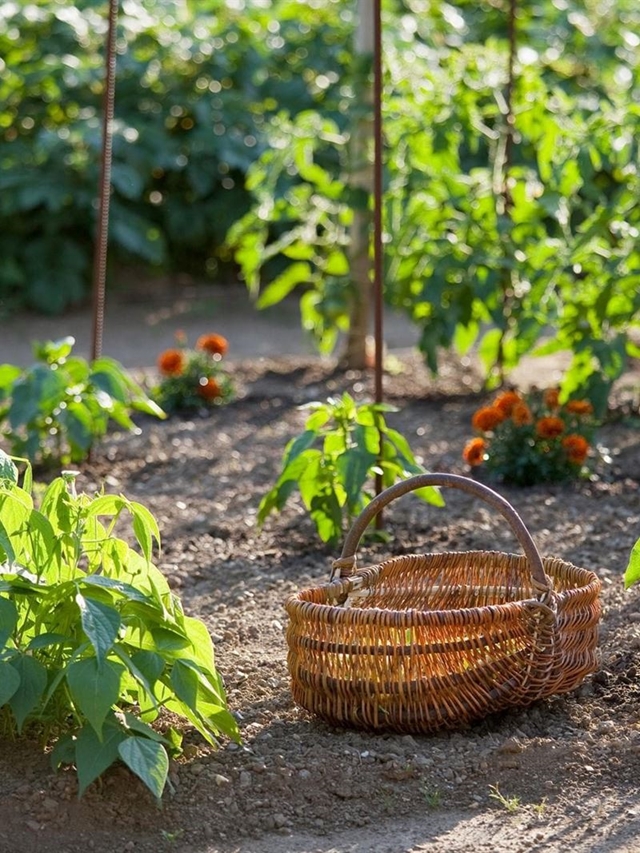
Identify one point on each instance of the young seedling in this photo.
(511, 804)
(333, 462)
(433, 796)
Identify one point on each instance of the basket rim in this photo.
(497, 613)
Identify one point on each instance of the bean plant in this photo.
(54, 411)
(94, 646)
(342, 447)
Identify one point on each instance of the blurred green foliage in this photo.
(212, 93)
(195, 85)
(470, 263)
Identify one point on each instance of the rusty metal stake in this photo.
(378, 274)
(104, 192)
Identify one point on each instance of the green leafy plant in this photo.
(298, 230)
(54, 411)
(331, 461)
(193, 378)
(527, 439)
(496, 230)
(632, 572)
(432, 795)
(511, 804)
(93, 644)
(210, 73)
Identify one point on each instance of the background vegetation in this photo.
(484, 248)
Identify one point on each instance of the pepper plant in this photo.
(94, 646)
(55, 410)
(342, 447)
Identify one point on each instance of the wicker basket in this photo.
(422, 642)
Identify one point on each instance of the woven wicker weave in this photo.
(422, 642)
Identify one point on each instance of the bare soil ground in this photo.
(567, 768)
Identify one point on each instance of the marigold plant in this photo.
(192, 379)
(533, 438)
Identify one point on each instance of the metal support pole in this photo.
(378, 273)
(102, 229)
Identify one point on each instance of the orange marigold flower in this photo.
(213, 344)
(171, 362)
(579, 407)
(209, 389)
(505, 402)
(473, 453)
(551, 398)
(487, 418)
(521, 414)
(576, 447)
(550, 427)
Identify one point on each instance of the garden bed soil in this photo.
(566, 769)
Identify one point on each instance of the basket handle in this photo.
(344, 566)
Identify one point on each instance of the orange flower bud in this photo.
(487, 418)
(473, 453)
(551, 398)
(550, 427)
(209, 389)
(213, 344)
(579, 407)
(505, 402)
(171, 362)
(577, 447)
(521, 414)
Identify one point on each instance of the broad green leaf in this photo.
(298, 445)
(326, 513)
(28, 533)
(317, 420)
(183, 710)
(33, 680)
(8, 470)
(201, 642)
(148, 760)
(100, 623)
(8, 375)
(297, 273)
(135, 724)
(336, 264)
(109, 382)
(56, 506)
(299, 252)
(7, 546)
(127, 590)
(64, 752)
(80, 427)
(107, 505)
(8, 619)
(402, 446)
(145, 528)
(9, 681)
(94, 688)
(168, 643)
(184, 681)
(93, 755)
(139, 677)
(148, 407)
(632, 572)
(53, 351)
(207, 692)
(43, 641)
(354, 466)
(431, 495)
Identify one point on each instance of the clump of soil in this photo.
(560, 775)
